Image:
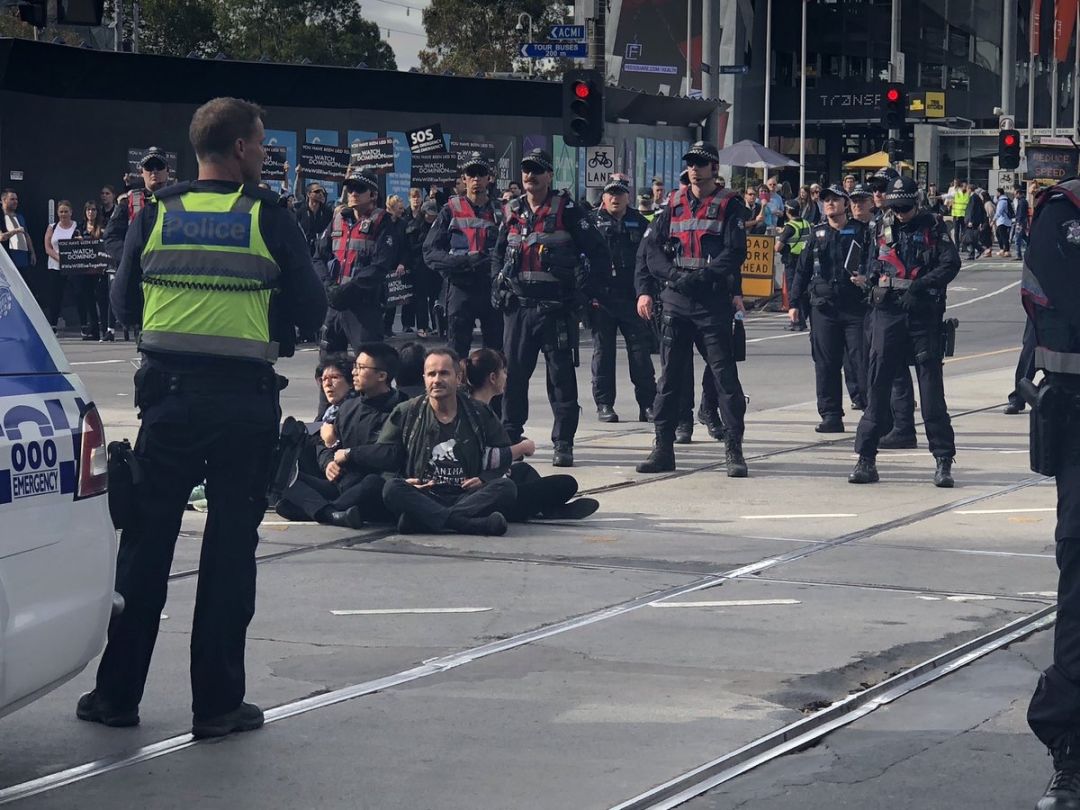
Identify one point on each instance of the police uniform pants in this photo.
(789, 280)
(1054, 712)
(348, 328)
(465, 305)
(894, 337)
(901, 415)
(620, 315)
(1025, 364)
(676, 350)
(528, 332)
(836, 332)
(227, 439)
(708, 387)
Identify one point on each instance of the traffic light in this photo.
(894, 107)
(583, 107)
(1009, 149)
(35, 12)
(80, 12)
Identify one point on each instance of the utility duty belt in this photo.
(1053, 408)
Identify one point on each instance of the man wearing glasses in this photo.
(314, 216)
(154, 175)
(915, 262)
(539, 280)
(458, 247)
(696, 247)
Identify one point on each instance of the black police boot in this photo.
(858, 404)
(1063, 792)
(713, 423)
(943, 474)
(645, 414)
(684, 432)
(736, 464)
(93, 709)
(661, 459)
(346, 519)
(245, 717)
(865, 472)
(1014, 408)
(563, 455)
(605, 413)
(830, 426)
(898, 441)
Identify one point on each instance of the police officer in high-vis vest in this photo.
(1051, 298)
(832, 271)
(354, 255)
(614, 307)
(220, 278)
(154, 171)
(696, 248)
(790, 244)
(540, 283)
(914, 263)
(458, 247)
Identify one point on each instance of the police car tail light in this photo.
(93, 457)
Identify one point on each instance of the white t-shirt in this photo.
(59, 235)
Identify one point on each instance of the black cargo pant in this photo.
(434, 510)
(708, 387)
(901, 415)
(310, 494)
(616, 315)
(1054, 713)
(676, 353)
(837, 332)
(894, 337)
(528, 331)
(465, 305)
(222, 430)
(348, 328)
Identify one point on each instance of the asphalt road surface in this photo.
(669, 650)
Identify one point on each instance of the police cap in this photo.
(537, 159)
(430, 207)
(901, 193)
(155, 159)
(792, 204)
(834, 191)
(361, 181)
(882, 178)
(861, 190)
(477, 165)
(617, 184)
(702, 150)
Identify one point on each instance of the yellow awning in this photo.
(878, 160)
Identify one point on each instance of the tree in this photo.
(467, 37)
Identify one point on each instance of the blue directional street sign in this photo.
(567, 33)
(555, 50)
(735, 69)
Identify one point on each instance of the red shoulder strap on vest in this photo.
(457, 207)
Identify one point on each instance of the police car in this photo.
(57, 543)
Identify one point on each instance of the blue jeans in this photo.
(1020, 239)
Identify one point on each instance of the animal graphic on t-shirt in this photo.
(444, 465)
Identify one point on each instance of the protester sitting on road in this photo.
(543, 496)
(452, 453)
(349, 491)
(410, 377)
(63, 229)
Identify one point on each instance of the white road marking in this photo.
(727, 603)
(998, 553)
(97, 362)
(1004, 511)
(786, 517)
(984, 297)
(971, 598)
(290, 523)
(1040, 593)
(397, 611)
(778, 337)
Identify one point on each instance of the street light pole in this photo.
(768, 68)
(689, 18)
(971, 126)
(527, 16)
(802, 102)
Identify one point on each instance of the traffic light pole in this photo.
(894, 68)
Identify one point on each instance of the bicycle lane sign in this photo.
(599, 165)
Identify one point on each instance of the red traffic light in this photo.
(581, 89)
(892, 94)
(1009, 140)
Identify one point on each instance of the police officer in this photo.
(899, 432)
(539, 284)
(154, 173)
(1052, 299)
(220, 277)
(613, 309)
(831, 270)
(790, 244)
(459, 248)
(914, 264)
(696, 248)
(354, 255)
